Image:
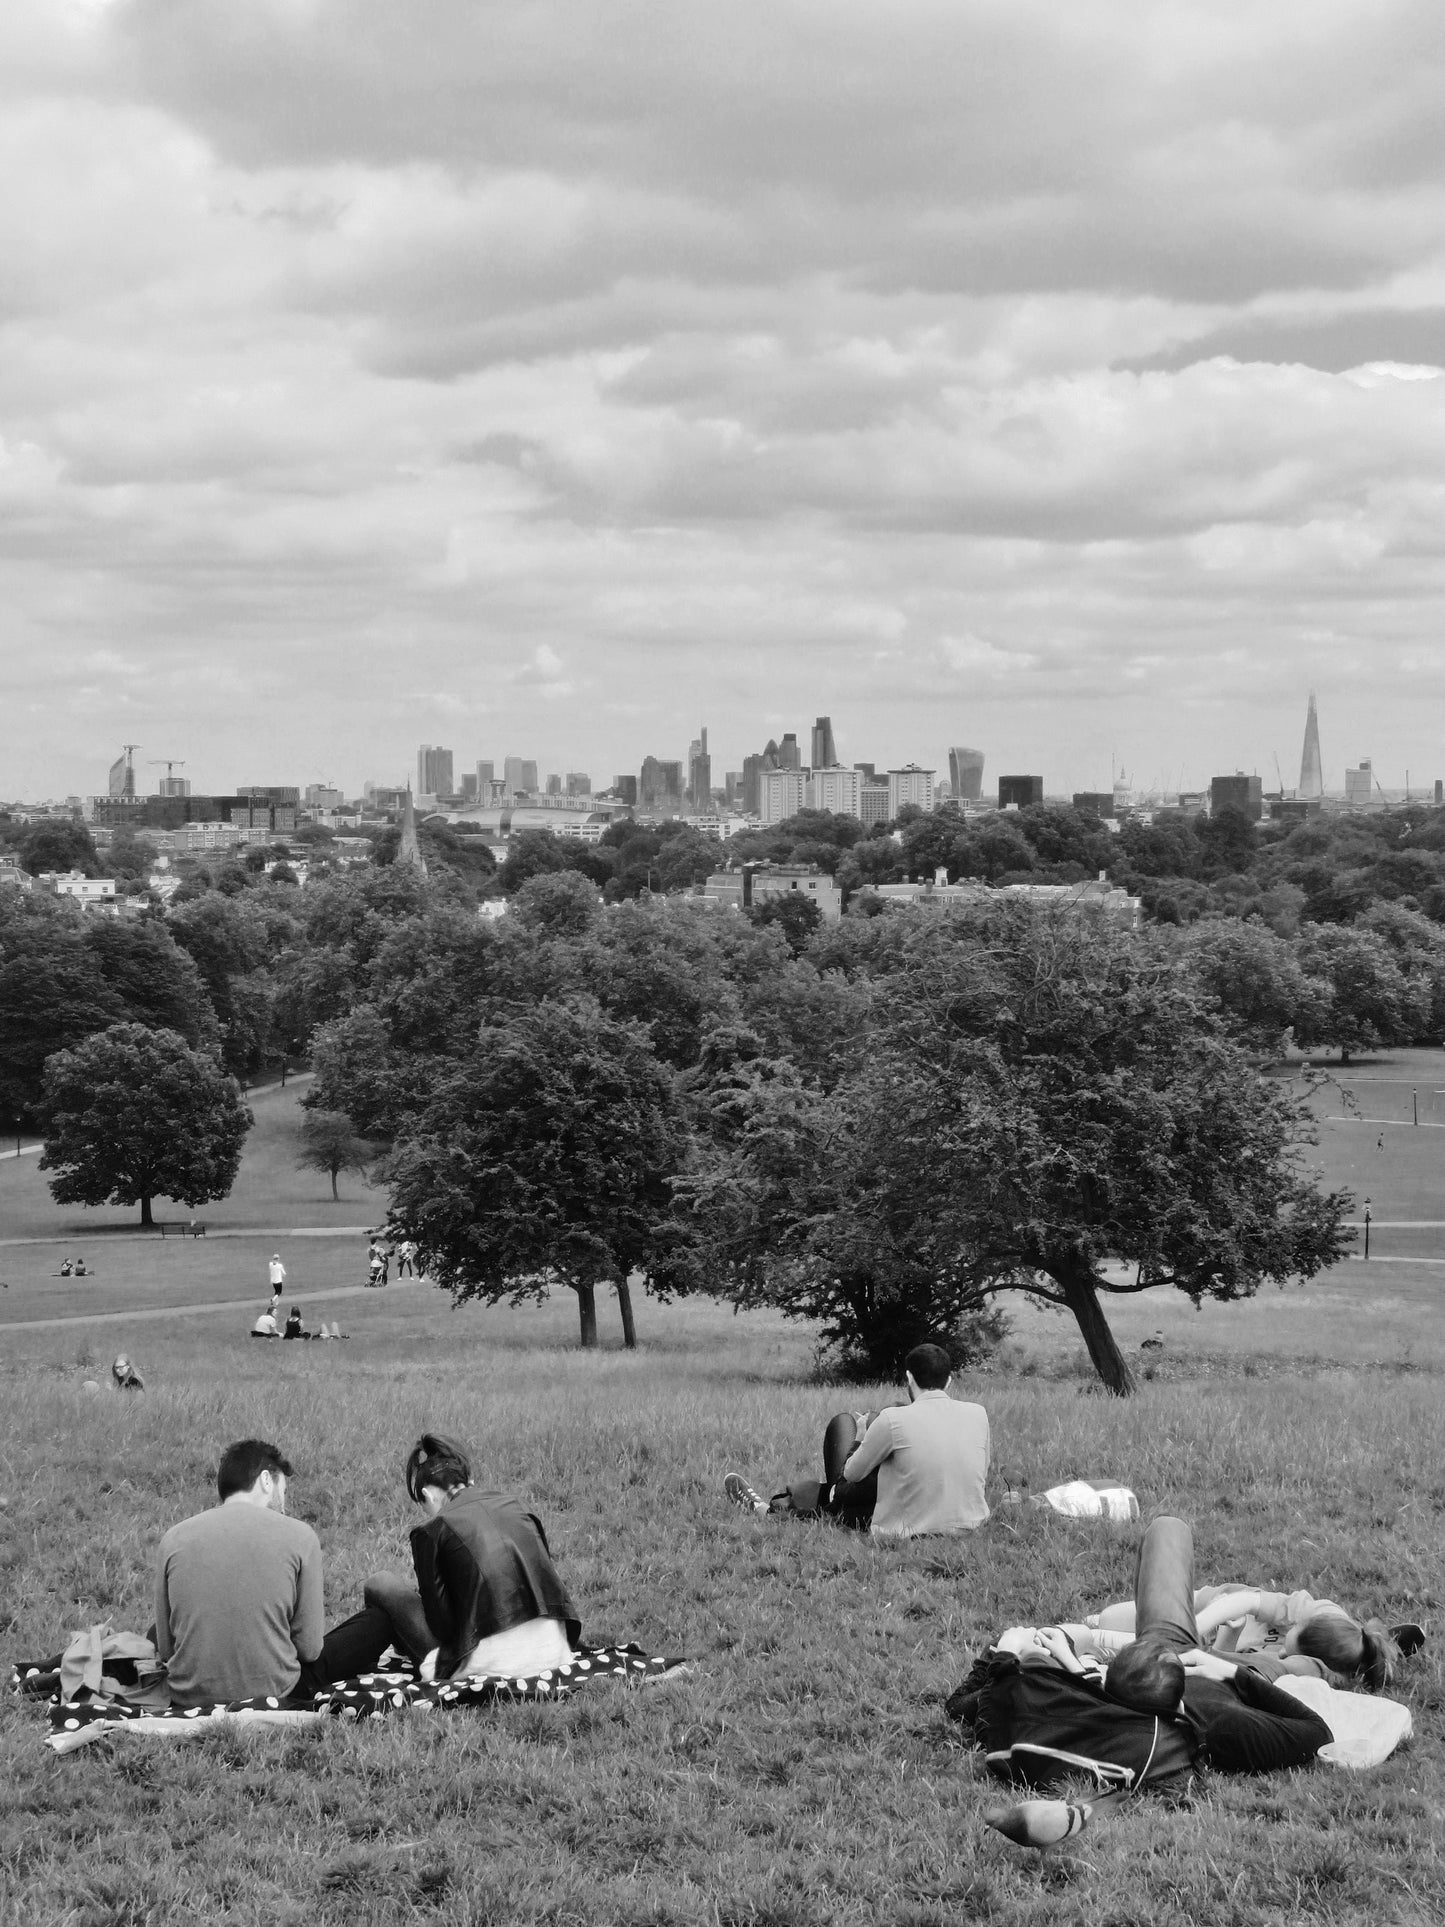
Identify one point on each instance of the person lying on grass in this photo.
(1228, 1715)
(907, 1470)
(238, 1596)
(1281, 1633)
(487, 1598)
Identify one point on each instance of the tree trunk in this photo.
(587, 1313)
(624, 1303)
(1076, 1281)
(147, 1221)
(335, 1194)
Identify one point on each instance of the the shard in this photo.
(1311, 769)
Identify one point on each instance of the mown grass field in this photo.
(803, 1772)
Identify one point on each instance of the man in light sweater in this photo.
(916, 1468)
(238, 1596)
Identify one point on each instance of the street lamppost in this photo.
(1367, 1227)
(1415, 1101)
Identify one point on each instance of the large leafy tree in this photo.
(543, 1154)
(134, 1114)
(1067, 1104)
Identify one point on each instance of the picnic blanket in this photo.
(74, 1723)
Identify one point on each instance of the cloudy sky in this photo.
(1061, 379)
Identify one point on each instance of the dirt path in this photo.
(197, 1311)
(104, 1233)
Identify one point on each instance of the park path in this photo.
(106, 1232)
(197, 1311)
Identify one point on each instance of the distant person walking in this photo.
(406, 1259)
(276, 1272)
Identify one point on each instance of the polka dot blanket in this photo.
(74, 1723)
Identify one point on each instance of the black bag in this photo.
(1038, 1725)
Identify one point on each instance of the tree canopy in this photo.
(1040, 1104)
(134, 1114)
(544, 1153)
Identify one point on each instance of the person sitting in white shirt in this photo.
(907, 1470)
(266, 1326)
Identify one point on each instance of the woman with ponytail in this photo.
(488, 1598)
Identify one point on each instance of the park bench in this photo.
(180, 1228)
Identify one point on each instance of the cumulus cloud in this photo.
(1060, 379)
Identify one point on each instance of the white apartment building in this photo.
(836, 789)
(910, 785)
(785, 792)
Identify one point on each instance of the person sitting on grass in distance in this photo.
(126, 1377)
(487, 1597)
(266, 1326)
(294, 1327)
(80, 1270)
(907, 1470)
(238, 1596)
(67, 1268)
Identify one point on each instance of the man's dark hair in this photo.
(435, 1460)
(1147, 1677)
(244, 1462)
(931, 1367)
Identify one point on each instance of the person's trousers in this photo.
(834, 1496)
(392, 1616)
(1164, 1584)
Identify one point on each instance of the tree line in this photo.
(882, 1125)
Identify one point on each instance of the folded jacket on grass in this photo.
(74, 1723)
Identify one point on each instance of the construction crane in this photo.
(1280, 774)
(171, 762)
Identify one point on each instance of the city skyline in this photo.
(533, 772)
(1069, 387)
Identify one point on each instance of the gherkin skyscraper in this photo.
(1311, 769)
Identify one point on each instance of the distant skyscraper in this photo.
(789, 755)
(122, 776)
(1020, 792)
(579, 783)
(514, 775)
(824, 749)
(486, 776)
(434, 770)
(965, 772)
(625, 789)
(554, 785)
(1312, 769)
(1360, 785)
(529, 776)
(699, 774)
(660, 785)
(755, 768)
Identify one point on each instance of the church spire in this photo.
(409, 849)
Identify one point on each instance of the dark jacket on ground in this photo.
(483, 1566)
(1040, 1725)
